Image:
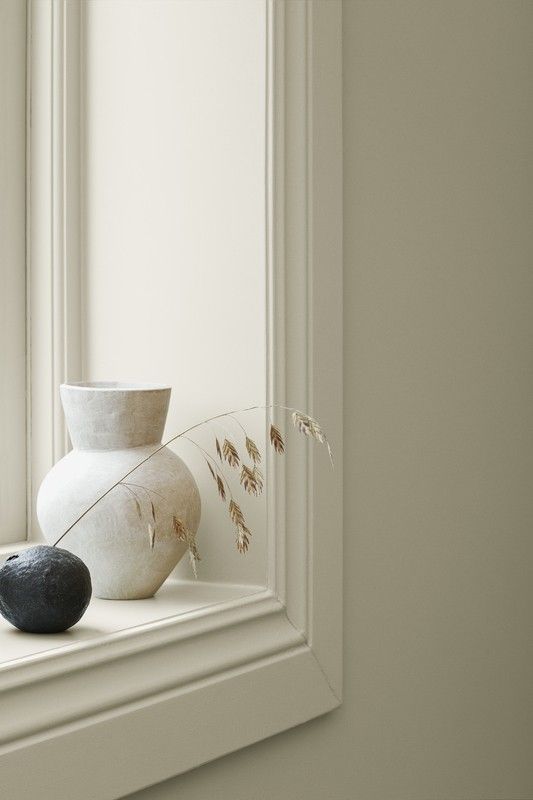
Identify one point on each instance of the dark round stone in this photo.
(44, 589)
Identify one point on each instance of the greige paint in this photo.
(12, 269)
(438, 127)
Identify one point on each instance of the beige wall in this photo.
(439, 436)
(13, 269)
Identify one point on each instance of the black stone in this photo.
(44, 589)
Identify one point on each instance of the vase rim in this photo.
(111, 415)
(116, 386)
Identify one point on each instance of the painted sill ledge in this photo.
(103, 716)
(123, 652)
(157, 686)
(175, 601)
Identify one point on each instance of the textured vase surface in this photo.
(112, 427)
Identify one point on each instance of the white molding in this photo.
(211, 681)
(310, 273)
(53, 253)
(111, 715)
(325, 334)
(112, 754)
(170, 653)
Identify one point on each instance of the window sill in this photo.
(11, 548)
(114, 695)
(105, 618)
(123, 704)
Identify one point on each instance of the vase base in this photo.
(123, 597)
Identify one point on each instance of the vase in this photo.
(112, 427)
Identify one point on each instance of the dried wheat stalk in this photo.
(184, 535)
(180, 529)
(253, 450)
(235, 513)
(152, 523)
(229, 451)
(276, 440)
(221, 488)
(251, 478)
(242, 539)
(310, 427)
(135, 499)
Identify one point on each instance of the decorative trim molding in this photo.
(308, 279)
(90, 714)
(111, 754)
(53, 223)
(167, 654)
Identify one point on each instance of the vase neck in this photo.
(114, 416)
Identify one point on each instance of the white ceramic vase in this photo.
(112, 427)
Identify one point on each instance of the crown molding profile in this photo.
(113, 714)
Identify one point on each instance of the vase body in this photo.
(112, 427)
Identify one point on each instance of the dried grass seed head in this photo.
(242, 539)
(253, 450)
(229, 451)
(235, 513)
(276, 439)
(251, 480)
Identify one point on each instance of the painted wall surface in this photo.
(12, 269)
(438, 129)
(174, 222)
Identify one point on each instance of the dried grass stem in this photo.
(162, 446)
